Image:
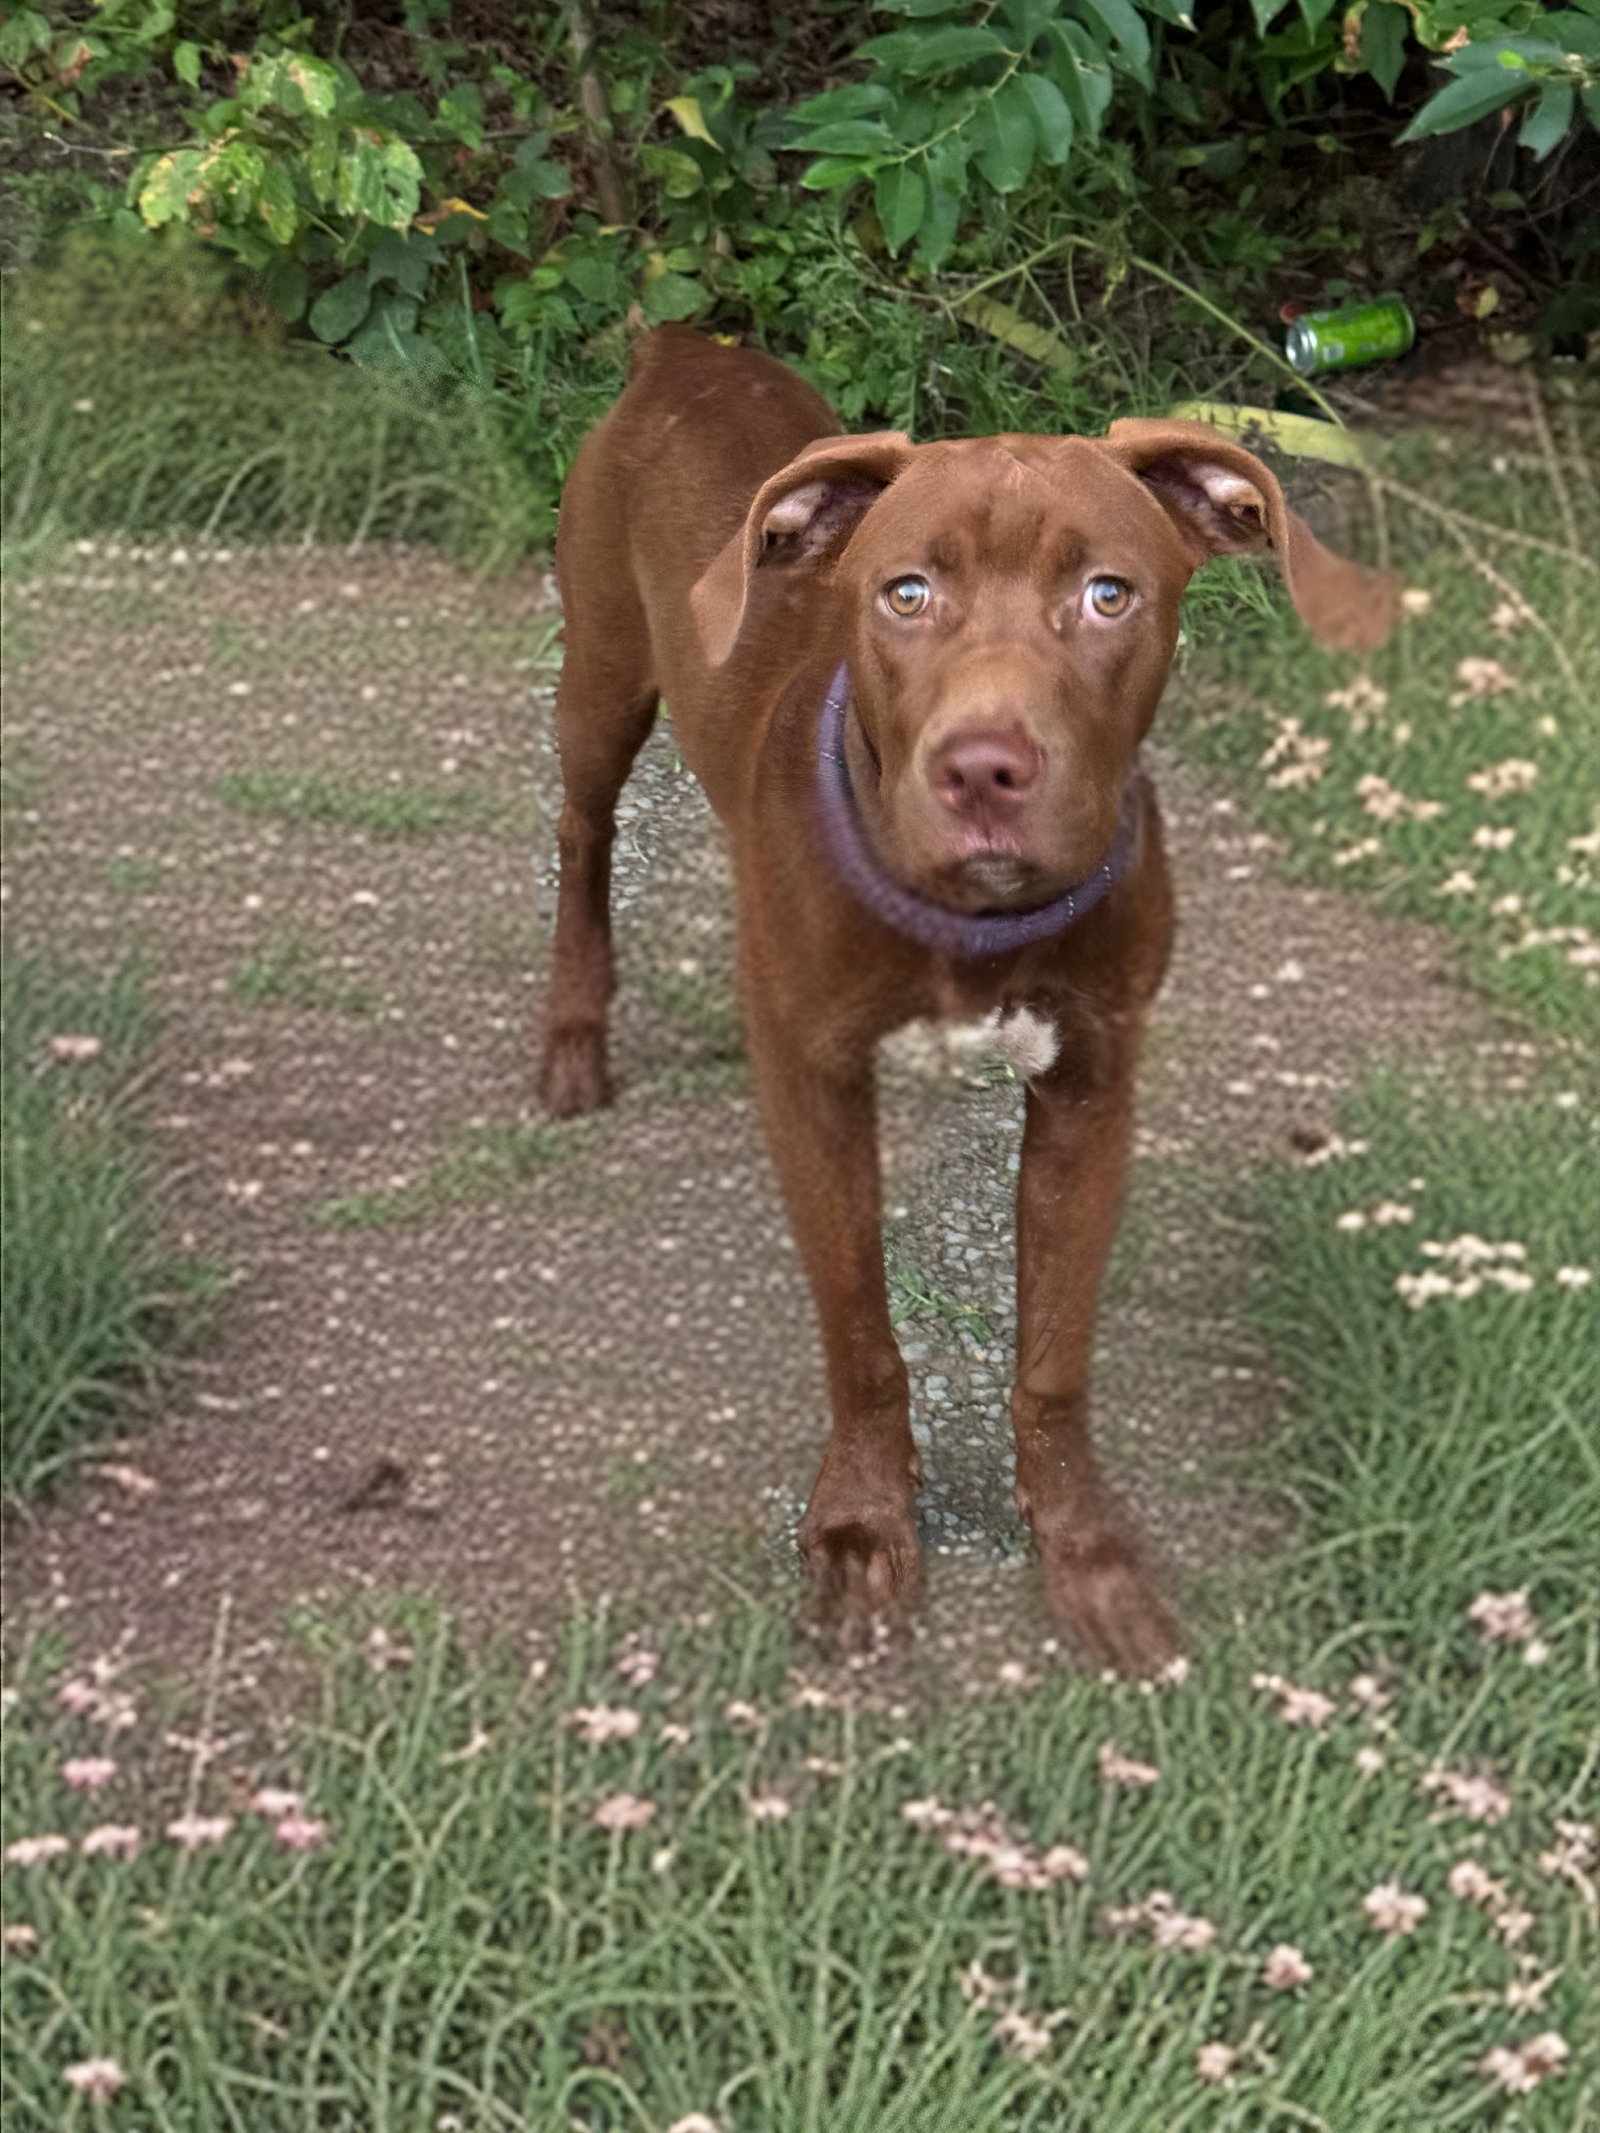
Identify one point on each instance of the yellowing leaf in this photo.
(1017, 332)
(1301, 436)
(1488, 301)
(686, 110)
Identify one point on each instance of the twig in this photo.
(592, 101)
(1449, 516)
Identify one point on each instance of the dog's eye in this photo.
(907, 596)
(1110, 597)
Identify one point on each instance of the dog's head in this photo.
(1011, 608)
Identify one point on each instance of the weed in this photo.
(93, 1297)
(339, 802)
(132, 877)
(283, 972)
(914, 1295)
(483, 1164)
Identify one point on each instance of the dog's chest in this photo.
(939, 1047)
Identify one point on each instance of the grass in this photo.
(914, 1295)
(141, 402)
(284, 973)
(1389, 778)
(486, 1162)
(93, 1297)
(335, 801)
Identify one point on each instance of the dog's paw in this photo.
(1100, 1591)
(572, 1073)
(859, 1540)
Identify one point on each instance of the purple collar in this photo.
(966, 936)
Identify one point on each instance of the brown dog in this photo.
(913, 680)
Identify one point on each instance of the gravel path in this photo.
(583, 1362)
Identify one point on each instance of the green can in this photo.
(1356, 334)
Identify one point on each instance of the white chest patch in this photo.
(1027, 1042)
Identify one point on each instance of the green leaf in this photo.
(23, 33)
(1574, 33)
(316, 82)
(848, 137)
(680, 174)
(855, 100)
(1081, 73)
(1461, 101)
(918, 54)
(1266, 13)
(917, 7)
(461, 113)
(538, 179)
(1052, 116)
(405, 257)
(947, 193)
(186, 62)
(384, 184)
(1546, 126)
(278, 204)
(900, 197)
(284, 286)
(1006, 142)
(828, 173)
(1383, 43)
(1124, 25)
(322, 160)
(1591, 104)
(669, 296)
(164, 195)
(338, 311)
(508, 225)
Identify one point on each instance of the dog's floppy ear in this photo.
(1223, 501)
(804, 513)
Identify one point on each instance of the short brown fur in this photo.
(722, 544)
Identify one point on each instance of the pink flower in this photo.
(112, 1840)
(87, 1773)
(19, 1938)
(624, 1811)
(1503, 1617)
(1519, 2069)
(1390, 1910)
(598, 1724)
(1214, 2062)
(1297, 1706)
(275, 1801)
(1119, 1769)
(195, 1832)
(637, 1666)
(769, 1807)
(1285, 1968)
(78, 1696)
(1470, 1882)
(36, 1851)
(743, 1717)
(1022, 2035)
(1062, 1863)
(300, 1832)
(1478, 1798)
(384, 1651)
(98, 2079)
(696, 2122)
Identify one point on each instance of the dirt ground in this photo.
(599, 1375)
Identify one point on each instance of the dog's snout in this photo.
(986, 769)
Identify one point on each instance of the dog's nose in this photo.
(986, 770)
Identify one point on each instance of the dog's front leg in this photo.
(1074, 1162)
(859, 1533)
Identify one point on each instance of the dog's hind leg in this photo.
(605, 706)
